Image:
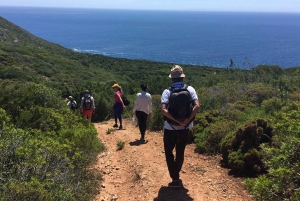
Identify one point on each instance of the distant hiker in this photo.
(118, 106)
(72, 103)
(87, 105)
(179, 105)
(142, 109)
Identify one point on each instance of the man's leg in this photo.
(142, 120)
(180, 147)
(170, 138)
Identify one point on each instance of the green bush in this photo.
(283, 180)
(27, 191)
(272, 105)
(156, 122)
(260, 92)
(241, 149)
(208, 140)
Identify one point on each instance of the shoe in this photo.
(175, 184)
(142, 139)
(120, 128)
(115, 126)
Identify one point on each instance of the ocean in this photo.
(181, 37)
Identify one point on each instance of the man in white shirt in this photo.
(142, 109)
(176, 130)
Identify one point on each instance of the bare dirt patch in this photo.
(139, 170)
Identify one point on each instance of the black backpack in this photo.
(180, 104)
(73, 105)
(125, 100)
(87, 103)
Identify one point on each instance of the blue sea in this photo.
(182, 37)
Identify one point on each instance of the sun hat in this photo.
(176, 72)
(115, 86)
(87, 91)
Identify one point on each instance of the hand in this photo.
(150, 115)
(184, 122)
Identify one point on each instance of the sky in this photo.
(193, 5)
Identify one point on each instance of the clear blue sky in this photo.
(201, 5)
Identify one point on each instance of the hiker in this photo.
(72, 103)
(142, 109)
(87, 105)
(179, 119)
(118, 106)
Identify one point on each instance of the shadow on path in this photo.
(138, 142)
(173, 194)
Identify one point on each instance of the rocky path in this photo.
(139, 171)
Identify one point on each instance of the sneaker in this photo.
(115, 126)
(120, 128)
(175, 184)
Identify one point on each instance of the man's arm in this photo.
(194, 112)
(165, 112)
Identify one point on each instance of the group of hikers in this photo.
(179, 105)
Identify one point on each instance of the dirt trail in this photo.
(139, 171)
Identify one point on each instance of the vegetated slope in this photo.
(25, 54)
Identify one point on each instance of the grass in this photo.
(110, 130)
(120, 145)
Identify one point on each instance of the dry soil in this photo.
(139, 171)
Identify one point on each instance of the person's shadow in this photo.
(138, 142)
(173, 194)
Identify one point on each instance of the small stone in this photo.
(103, 185)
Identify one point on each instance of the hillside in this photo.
(248, 123)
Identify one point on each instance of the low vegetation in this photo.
(120, 145)
(249, 115)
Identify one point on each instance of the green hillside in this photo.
(248, 116)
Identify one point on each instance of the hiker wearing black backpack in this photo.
(179, 105)
(142, 109)
(87, 105)
(118, 106)
(72, 103)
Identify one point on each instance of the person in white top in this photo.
(176, 130)
(142, 109)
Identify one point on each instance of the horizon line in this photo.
(139, 9)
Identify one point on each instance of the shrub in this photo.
(208, 141)
(241, 149)
(120, 145)
(272, 105)
(156, 122)
(27, 191)
(258, 93)
(283, 180)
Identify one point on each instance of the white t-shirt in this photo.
(143, 102)
(165, 100)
